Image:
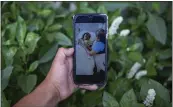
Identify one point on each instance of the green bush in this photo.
(32, 32)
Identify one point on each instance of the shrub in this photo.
(138, 61)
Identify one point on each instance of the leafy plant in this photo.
(32, 32)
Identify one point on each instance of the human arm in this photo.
(45, 95)
(58, 84)
(96, 48)
(92, 53)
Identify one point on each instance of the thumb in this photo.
(68, 52)
(62, 54)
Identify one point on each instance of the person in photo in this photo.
(98, 46)
(85, 40)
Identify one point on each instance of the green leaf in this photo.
(135, 56)
(145, 5)
(62, 39)
(137, 105)
(44, 49)
(141, 81)
(21, 30)
(118, 87)
(9, 53)
(11, 29)
(60, 16)
(92, 98)
(5, 76)
(135, 47)
(27, 82)
(67, 25)
(45, 67)
(10, 42)
(156, 6)
(119, 43)
(157, 28)
(35, 25)
(159, 102)
(151, 71)
(112, 74)
(109, 100)
(141, 18)
(110, 46)
(45, 12)
(50, 20)
(20, 57)
(128, 98)
(31, 6)
(54, 27)
(83, 4)
(13, 10)
(59, 37)
(150, 41)
(31, 41)
(49, 55)
(33, 66)
(87, 10)
(159, 7)
(161, 92)
(18, 68)
(112, 6)
(4, 101)
(114, 15)
(165, 54)
(132, 21)
(137, 44)
(102, 9)
(50, 37)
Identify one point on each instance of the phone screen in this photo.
(90, 49)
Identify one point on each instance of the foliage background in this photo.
(32, 32)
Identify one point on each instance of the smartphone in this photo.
(90, 45)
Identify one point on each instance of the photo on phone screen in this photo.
(90, 50)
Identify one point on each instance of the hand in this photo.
(60, 74)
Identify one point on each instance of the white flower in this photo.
(117, 21)
(150, 98)
(72, 7)
(144, 60)
(134, 46)
(112, 31)
(115, 25)
(83, 91)
(125, 32)
(133, 70)
(128, 49)
(140, 74)
(151, 92)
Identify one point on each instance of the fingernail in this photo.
(71, 49)
(95, 86)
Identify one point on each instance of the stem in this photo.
(26, 64)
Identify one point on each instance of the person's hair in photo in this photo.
(101, 36)
(87, 35)
(102, 31)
